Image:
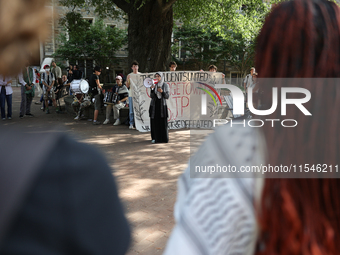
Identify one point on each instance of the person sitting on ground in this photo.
(120, 95)
(66, 84)
(79, 104)
(48, 80)
(58, 90)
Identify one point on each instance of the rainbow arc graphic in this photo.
(209, 93)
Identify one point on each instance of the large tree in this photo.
(149, 30)
(151, 22)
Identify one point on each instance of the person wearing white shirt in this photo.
(6, 95)
(25, 78)
(248, 81)
(134, 67)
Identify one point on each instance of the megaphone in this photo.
(148, 82)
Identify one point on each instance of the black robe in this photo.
(158, 113)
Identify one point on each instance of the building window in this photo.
(90, 20)
(111, 25)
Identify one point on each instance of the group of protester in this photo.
(30, 81)
(53, 82)
(120, 97)
(69, 202)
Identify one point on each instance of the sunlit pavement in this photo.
(146, 173)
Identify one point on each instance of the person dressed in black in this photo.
(63, 200)
(158, 111)
(94, 85)
(77, 74)
(70, 73)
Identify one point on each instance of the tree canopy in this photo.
(242, 17)
(85, 41)
(151, 21)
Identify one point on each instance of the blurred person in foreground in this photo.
(278, 216)
(53, 199)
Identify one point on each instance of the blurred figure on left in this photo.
(27, 91)
(57, 200)
(6, 95)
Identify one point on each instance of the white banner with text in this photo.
(187, 91)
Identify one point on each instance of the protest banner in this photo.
(184, 103)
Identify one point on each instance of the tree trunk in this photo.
(149, 36)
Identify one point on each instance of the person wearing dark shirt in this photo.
(70, 73)
(94, 85)
(158, 111)
(57, 200)
(60, 201)
(77, 74)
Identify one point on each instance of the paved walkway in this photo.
(146, 173)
